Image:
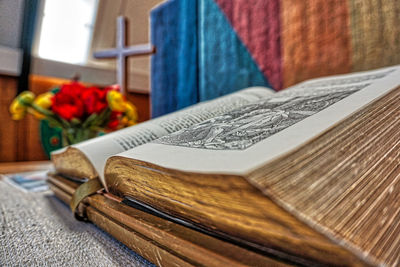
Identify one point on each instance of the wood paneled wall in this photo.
(20, 141)
(9, 150)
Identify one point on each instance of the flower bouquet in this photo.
(80, 112)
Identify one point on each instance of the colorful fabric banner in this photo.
(208, 48)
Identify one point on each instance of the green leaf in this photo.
(39, 109)
(75, 122)
(89, 120)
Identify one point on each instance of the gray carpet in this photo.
(36, 229)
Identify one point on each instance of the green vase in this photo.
(50, 137)
(54, 138)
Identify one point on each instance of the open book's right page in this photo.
(244, 139)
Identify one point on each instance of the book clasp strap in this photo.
(84, 190)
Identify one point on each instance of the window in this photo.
(66, 30)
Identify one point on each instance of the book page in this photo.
(97, 150)
(246, 138)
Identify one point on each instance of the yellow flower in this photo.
(26, 98)
(125, 121)
(17, 110)
(130, 111)
(44, 100)
(116, 101)
(20, 104)
(18, 116)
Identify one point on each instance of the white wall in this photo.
(10, 34)
(10, 22)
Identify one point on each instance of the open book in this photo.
(324, 151)
(86, 160)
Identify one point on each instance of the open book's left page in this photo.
(97, 150)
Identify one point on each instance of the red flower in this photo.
(112, 125)
(67, 102)
(114, 120)
(76, 101)
(73, 88)
(94, 100)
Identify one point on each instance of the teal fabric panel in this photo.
(225, 65)
(174, 65)
(187, 90)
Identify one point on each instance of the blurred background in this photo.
(45, 43)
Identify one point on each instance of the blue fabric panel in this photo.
(174, 66)
(225, 64)
(187, 90)
(163, 75)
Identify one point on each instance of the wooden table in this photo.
(24, 166)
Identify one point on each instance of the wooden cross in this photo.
(121, 52)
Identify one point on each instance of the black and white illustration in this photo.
(244, 127)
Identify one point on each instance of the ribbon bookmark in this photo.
(83, 191)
